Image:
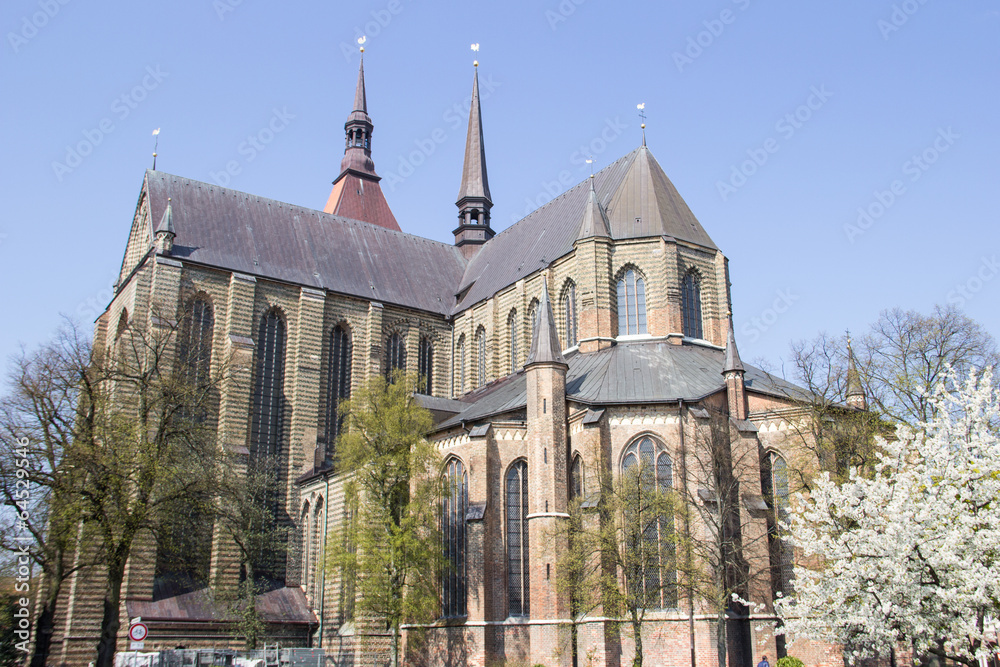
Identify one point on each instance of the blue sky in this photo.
(843, 155)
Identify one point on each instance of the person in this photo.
(763, 662)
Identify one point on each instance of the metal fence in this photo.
(271, 656)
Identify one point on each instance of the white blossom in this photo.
(911, 555)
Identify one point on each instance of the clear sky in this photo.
(843, 155)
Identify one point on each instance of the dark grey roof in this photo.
(633, 187)
(635, 372)
(545, 347)
(240, 232)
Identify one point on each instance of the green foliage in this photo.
(789, 661)
(394, 543)
(608, 551)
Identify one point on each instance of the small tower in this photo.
(545, 374)
(165, 233)
(854, 392)
(356, 192)
(474, 201)
(593, 256)
(734, 372)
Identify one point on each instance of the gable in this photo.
(140, 238)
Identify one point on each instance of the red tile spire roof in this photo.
(356, 192)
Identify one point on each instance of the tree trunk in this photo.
(395, 645)
(637, 633)
(720, 639)
(44, 626)
(112, 606)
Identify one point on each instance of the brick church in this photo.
(593, 334)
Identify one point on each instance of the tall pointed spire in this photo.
(854, 392)
(360, 101)
(545, 346)
(474, 201)
(595, 220)
(356, 192)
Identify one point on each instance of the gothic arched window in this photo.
(338, 385)
(631, 304)
(184, 545)
(691, 305)
(197, 328)
(267, 399)
(318, 544)
(653, 575)
(460, 366)
(532, 320)
(569, 315)
(776, 491)
(267, 405)
(516, 504)
(576, 478)
(481, 356)
(512, 327)
(395, 354)
(455, 506)
(425, 366)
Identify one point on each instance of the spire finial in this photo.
(156, 144)
(475, 47)
(642, 114)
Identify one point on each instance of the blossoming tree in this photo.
(910, 557)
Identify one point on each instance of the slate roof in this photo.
(240, 232)
(633, 187)
(633, 372)
(284, 605)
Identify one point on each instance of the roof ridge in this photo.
(305, 209)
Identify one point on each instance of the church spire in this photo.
(356, 192)
(474, 202)
(734, 372)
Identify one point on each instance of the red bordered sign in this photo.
(138, 632)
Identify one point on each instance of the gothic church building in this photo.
(593, 334)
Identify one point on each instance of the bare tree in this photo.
(39, 415)
(905, 355)
(720, 557)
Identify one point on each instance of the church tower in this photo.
(356, 191)
(855, 391)
(474, 201)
